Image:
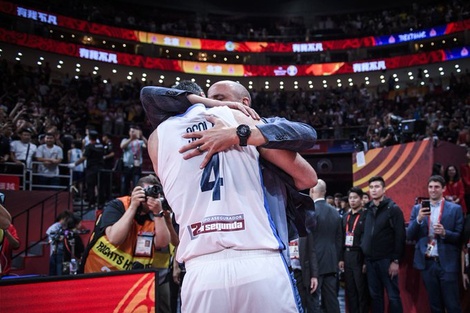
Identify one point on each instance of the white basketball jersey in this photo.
(221, 206)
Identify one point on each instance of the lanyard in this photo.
(135, 147)
(354, 224)
(441, 209)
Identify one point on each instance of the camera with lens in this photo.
(395, 119)
(68, 234)
(61, 235)
(156, 191)
(153, 191)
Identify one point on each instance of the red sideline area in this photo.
(104, 292)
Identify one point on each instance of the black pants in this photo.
(357, 293)
(92, 175)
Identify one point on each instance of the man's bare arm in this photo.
(5, 218)
(223, 136)
(294, 164)
(153, 150)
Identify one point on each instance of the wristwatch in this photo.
(243, 132)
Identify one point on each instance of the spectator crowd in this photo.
(274, 27)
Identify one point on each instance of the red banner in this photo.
(9, 182)
(110, 292)
(231, 70)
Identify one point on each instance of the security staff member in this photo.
(351, 258)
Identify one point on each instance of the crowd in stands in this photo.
(65, 106)
(253, 28)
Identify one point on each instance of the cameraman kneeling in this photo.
(128, 231)
(65, 242)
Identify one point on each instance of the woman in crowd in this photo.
(454, 187)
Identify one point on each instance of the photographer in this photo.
(124, 233)
(389, 133)
(65, 242)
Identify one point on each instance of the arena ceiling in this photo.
(280, 7)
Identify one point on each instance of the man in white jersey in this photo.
(227, 239)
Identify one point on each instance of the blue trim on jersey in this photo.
(293, 285)
(268, 212)
(190, 108)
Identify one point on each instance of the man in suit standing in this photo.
(304, 263)
(436, 228)
(327, 241)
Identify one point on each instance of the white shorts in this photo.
(234, 281)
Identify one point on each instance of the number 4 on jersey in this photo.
(206, 183)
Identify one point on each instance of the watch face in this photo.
(243, 130)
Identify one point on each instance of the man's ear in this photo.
(246, 101)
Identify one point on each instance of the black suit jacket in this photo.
(327, 237)
(308, 259)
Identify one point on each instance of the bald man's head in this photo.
(228, 90)
(319, 191)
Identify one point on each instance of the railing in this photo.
(16, 170)
(36, 178)
(31, 180)
(31, 215)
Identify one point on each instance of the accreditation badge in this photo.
(294, 249)
(431, 246)
(348, 242)
(144, 246)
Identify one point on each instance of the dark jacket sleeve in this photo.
(160, 103)
(343, 236)
(400, 235)
(412, 232)
(339, 238)
(312, 256)
(454, 234)
(287, 135)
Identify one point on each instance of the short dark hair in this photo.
(438, 179)
(77, 144)
(356, 190)
(338, 195)
(190, 86)
(149, 179)
(377, 178)
(64, 214)
(93, 135)
(26, 129)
